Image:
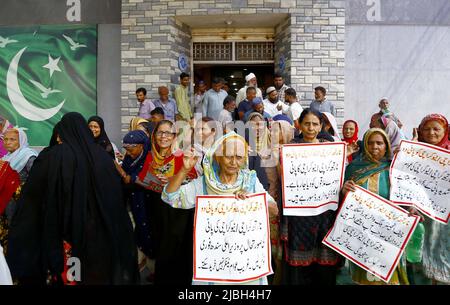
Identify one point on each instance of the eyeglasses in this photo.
(166, 134)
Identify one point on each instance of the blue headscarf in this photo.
(133, 166)
(283, 117)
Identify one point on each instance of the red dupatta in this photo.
(445, 142)
(351, 140)
(9, 182)
(155, 164)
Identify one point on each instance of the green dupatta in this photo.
(373, 175)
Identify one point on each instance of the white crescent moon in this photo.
(19, 102)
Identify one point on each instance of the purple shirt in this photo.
(145, 108)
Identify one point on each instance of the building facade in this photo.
(307, 36)
(383, 48)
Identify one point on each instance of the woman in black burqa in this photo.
(97, 126)
(73, 195)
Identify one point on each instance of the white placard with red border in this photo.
(312, 177)
(231, 239)
(371, 231)
(420, 176)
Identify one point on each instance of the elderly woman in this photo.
(436, 255)
(371, 171)
(4, 125)
(20, 158)
(225, 173)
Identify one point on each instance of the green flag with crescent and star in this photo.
(45, 72)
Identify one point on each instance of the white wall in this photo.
(408, 64)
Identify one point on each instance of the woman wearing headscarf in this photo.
(307, 260)
(20, 157)
(435, 254)
(138, 123)
(226, 172)
(394, 133)
(97, 126)
(282, 132)
(350, 131)
(330, 125)
(371, 171)
(258, 138)
(4, 125)
(137, 146)
(172, 228)
(73, 195)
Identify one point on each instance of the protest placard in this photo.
(420, 176)
(231, 239)
(371, 232)
(312, 176)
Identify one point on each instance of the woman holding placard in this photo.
(226, 172)
(307, 260)
(371, 171)
(435, 257)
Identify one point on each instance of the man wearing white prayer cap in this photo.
(251, 81)
(272, 105)
(251, 77)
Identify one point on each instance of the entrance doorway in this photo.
(234, 75)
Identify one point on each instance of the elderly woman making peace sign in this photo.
(225, 172)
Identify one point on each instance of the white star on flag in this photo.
(52, 65)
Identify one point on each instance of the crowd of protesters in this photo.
(120, 210)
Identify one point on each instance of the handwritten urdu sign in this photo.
(371, 232)
(231, 239)
(312, 176)
(420, 176)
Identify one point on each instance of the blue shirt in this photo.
(245, 106)
(170, 108)
(212, 103)
(324, 106)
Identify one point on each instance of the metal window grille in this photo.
(254, 51)
(214, 51)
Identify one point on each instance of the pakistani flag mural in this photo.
(45, 72)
